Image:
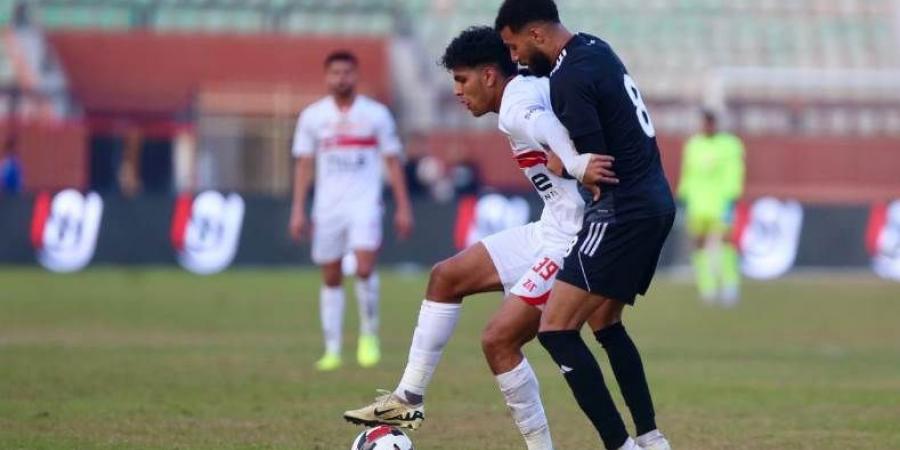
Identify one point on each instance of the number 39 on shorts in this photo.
(546, 268)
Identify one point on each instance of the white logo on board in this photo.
(769, 242)
(65, 228)
(206, 231)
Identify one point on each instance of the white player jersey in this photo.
(524, 98)
(349, 145)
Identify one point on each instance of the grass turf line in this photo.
(161, 359)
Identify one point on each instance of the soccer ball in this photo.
(382, 437)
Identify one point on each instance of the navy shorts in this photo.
(617, 260)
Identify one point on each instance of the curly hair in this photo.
(477, 46)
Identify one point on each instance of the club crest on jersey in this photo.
(206, 230)
(530, 111)
(769, 236)
(883, 240)
(64, 229)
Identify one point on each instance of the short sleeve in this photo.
(304, 136)
(574, 103)
(386, 133)
(519, 122)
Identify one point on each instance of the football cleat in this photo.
(388, 409)
(328, 362)
(367, 352)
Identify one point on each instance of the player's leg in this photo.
(698, 227)
(368, 351)
(512, 326)
(468, 272)
(364, 237)
(610, 262)
(630, 275)
(489, 265)
(328, 245)
(331, 313)
(730, 260)
(566, 311)
(628, 369)
(497, 261)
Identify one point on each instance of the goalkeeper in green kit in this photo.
(712, 180)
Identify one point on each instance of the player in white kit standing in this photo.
(347, 136)
(522, 261)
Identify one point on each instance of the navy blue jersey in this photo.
(599, 103)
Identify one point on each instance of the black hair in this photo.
(341, 55)
(515, 14)
(710, 116)
(477, 46)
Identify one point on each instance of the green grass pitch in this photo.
(160, 359)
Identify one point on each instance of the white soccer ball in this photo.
(382, 437)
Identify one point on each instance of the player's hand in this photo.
(554, 164)
(403, 222)
(599, 171)
(595, 191)
(299, 225)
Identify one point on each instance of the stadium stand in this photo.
(668, 43)
(792, 71)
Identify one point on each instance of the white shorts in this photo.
(337, 235)
(526, 267)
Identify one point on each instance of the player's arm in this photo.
(403, 219)
(574, 104)
(736, 170)
(389, 145)
(587, 168)
(530, 121)
(303, 151)
(685, 178)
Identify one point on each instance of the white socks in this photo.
(331, 311)
(523, 397)
(630, 445)
(367, 299)
(433, 330)
(653, 440)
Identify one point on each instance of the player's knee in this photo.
(365, 272)
(331, 276)
(495, 341)
(444, 282)
(605, 318)
(332, 280)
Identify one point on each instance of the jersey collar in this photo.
(559, 60)
(564, 52)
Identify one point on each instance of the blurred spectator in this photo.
(21, 16)
(712, 180)
(10, 169)
(466, 178)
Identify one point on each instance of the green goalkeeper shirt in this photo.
(712, 173)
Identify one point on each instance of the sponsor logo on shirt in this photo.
(530, 111)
